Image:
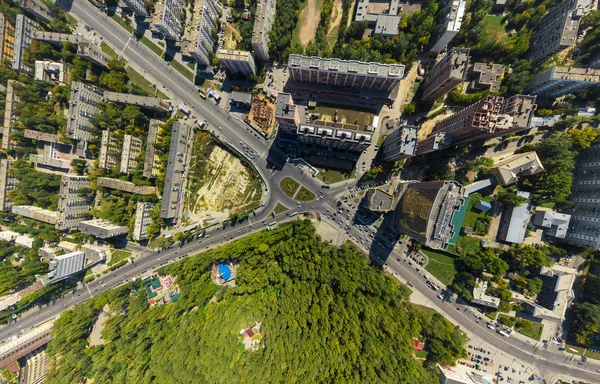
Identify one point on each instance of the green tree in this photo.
(510, 198)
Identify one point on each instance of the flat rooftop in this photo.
(381, 201)
(346, 66)
(576, 74)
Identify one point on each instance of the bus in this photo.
(272, 223)
(202, 94)
(293, 214)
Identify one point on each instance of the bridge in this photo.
(24, 344)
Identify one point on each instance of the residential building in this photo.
(514, 221)
(83, 105)
(24, 31)
(263, 21)
(204, 22)
(510, 169)
(36, 9)
(556, 294)
(547, 121)
(426, 211)
(132, 148)
(400, 144)
(125, 186)
(480, 296)
(7, 39)
(152, 162)
(558, 29)
(64, 266)
(142, 221)
(146, 102)
(7, 183)
(237, 62)
(560, 81)
(36, 213)
(456, 375)
(137, 6)
(91, 52)
(241, 100)
(555, 224)
(9, 118)
(288, 115)
(587, 112)
(345, 73)
(73, 205)
(109, 151)
(490, 117)
(36, 367)
(584, 228)
(29, 340)
(167, 18)
(47, 70)
(455, 12)
(486, 76)
(102, 229)
(446, 74)
(181, 136)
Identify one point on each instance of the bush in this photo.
(506, 320)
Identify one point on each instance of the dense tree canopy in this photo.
(327, 316)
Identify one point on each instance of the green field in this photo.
(472, 215)
(141, 82)
(108, 49)
(118, 255)
(289, 186)
(123, 23)
(534, 331)
(305, 194)
(441, 266)
(494, 29)
(330, 176)
(153, 47)
(469, 244)
(182, 69)
(280, 208)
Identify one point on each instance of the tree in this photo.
(79, 166)
(522, 256)
(409, 109)
(510, 198)
(582, 138)
(586, 322)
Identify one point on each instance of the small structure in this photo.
(499, 6)
(418, 345)
(482, 206)
(380, 200)
(47, 70)
(514, 221)
(252, 336)
(587, 112)
(486, 76)
(556, 223)
(223, 274)
(241, 99)
(161, 290)
(481, 297)
(523, 164)
(102, 229)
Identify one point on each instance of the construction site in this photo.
(261, 114)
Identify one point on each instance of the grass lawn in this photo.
(441, 266)
(469, 244)
(424, 309)
(153, 47)
(347, 116)
(141, 82)
(123, 23)
(305, 195)
(571, 348)
(289, 186)
(118, 255)
(183, 70)
(108, 49)
(535, 331)
(472, 215)
(280, 208)
(330, 176)
(494, 29)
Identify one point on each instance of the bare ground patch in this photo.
(308, 22)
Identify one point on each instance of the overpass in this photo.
(26, 343)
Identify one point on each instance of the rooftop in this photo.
(387, 25)
(380, 200)
(522, 164)
(576, 74)
(519, 217)
(346, 66)
(481, 297)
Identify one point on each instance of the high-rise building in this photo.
(237, 62)
(455, 12)
(490, 117)
(25, 28)
(181, 136)
(584, 227)
(83, 105)
(132, 148)
(167, 18)
(558, 29)
(64, 266)
(263, 21)
(72, 204)
(400, 144)
(345, 73)
(36, 366)
(559, 81)
(288, 115)
(446, 74)
(137, 6)
(142, 221)
(204, 21)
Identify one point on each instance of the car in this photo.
(440, 296)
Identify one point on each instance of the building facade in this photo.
(109, 149)
(237, 62)
(7, 39)
(263, 21)
(9, 118)
(203, 24)
(25, 29)
(455, 12)
(132, 148)
(36, 366)
(142, 221)
(102, 229)
(167, 18)
(446, 74)
(558, 29)
(137, 6)
(400, 144)
(490, 117)
(560, 81)
(180, 137)
(64, 266)
(7, 183)
(288, 115)
(84, 104)
(72, 205)
(152, 162)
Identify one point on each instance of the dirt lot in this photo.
(232, 36)
(309, 21)
(218, 184)
(334, 22)
(95, 336)
(261, 105)
(426, 128)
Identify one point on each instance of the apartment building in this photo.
(109, 151)
(36, 213)
(180, 137)
(142, 221)
(560, 81)
(237, 62)
(491, 117)
(125, 186)
(446, 74)
(167, 18)
(9, 118)
(132, 148)
(7, 39)
(558, 29)
(64, 266)
(584, 227)
(83, 105)
(25, 28)
(288, 115)
(102, 229)
(345, 73)
(204, 22)
(152, 159)
(263, 21)
(72, 205)
(400, 144)
(137, 6)
(36, 367)
(486, 76)
(35, 8)
(7, 183)
(455, 12)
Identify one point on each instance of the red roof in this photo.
(418, 345)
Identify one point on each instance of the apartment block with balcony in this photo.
(400, 144)
(237, 62)
(109, 150)
(490, 117)
(455, 12)
(7, 183)
(560, 81)
(558, 30)
(137, 6)
(25, 29)
(142, 221)
(83, 105)
(263, 21)
(132, 148)
(181, 136)
(9, 117)
(73, 206)
(7, 39)
(152, 162)
(167, 18)
(204, 21)
(446, 74)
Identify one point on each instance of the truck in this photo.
(186, 111)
